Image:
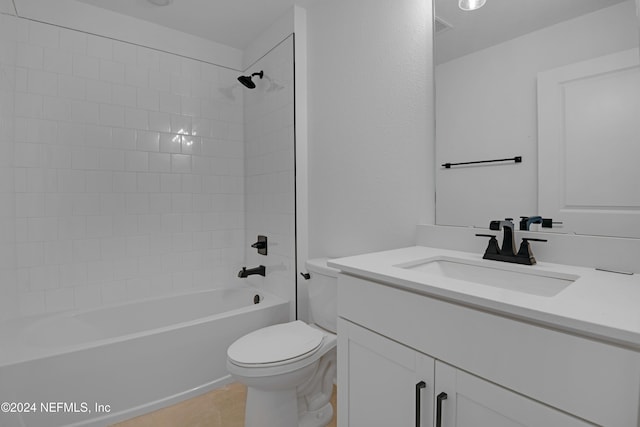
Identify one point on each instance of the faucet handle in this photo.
(493, 247)
(525, 249)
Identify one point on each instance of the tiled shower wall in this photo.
(121, 174)
(270, 174)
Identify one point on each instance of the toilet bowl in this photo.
(289, 369)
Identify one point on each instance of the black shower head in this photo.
(246, 80)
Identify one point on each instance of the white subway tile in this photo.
(191, 145)
(29, 254)
(125, 53)
(86, 204)
(148, 58)
(150, 223)
(98, 136)
(73, 274)
(170, 64)
(147, 141)
(86, 250)
(159, 81)
(137, 245)
(58, 61)
(149, 99)
(111, 160)
(84, 112)
(71, 227)
(148, 182)
(71, 181)
(136, 161)
(72, 87)
(27, 155)
(180, 163)
(42, 229)
(124, 139)
(180, 86)
(99, 226)
(136, 76)
(159, 162)
(86, 66)
(55, 108)
(112, 72)
(99, 181)
(112, 203)
(44, 34)
(181, 124)
(159, 202)
(136, 119)
(73, 41)
(42, 82)
(113, 247)
(190, 106)
(125, 225)
(58, 252)
(170, 143)
(29, 56)
(28, 105)
(99, 47)
(171, 223)
(84, 158)
(124, 95)
(160, 122)
(98, 91)
(111, 115)
(124, 182)
(170, 183)
(169, 103)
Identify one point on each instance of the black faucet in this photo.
(508, 253)
(261, 270)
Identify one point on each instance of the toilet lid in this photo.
(276, 343)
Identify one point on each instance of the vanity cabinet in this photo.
(389, 384)
(495, 371)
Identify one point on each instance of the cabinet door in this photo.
(382, 383)
(473, 402)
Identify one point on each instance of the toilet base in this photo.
(318, 418)
(272, 408)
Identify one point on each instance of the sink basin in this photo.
(501, 275)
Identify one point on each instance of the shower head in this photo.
(246, 80)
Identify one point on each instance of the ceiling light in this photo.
(160, 2)
(471, 4)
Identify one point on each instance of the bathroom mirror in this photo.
(488, 63)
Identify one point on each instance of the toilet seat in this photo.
(276, 345)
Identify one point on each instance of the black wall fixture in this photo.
(517, 159)
(261, 245)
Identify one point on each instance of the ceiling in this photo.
(501, 20)
(234, 23)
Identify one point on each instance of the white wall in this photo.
(487, 108)
(122, 167)
(370, 124)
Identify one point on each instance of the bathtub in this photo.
(97, 367)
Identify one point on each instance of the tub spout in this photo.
(261, 270)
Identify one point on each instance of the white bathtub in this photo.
(97, 367)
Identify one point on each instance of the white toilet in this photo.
(289, 369)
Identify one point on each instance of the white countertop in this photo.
(601, 305)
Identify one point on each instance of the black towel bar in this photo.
(517, 159)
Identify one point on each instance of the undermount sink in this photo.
(506, 276)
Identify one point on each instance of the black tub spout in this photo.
(245, 272)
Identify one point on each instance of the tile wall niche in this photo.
(122, 171)
(270, 175)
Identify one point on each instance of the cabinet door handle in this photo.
(419, 388)
(442, 396)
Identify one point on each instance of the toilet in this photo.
(289, 369)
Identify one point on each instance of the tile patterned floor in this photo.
(223, 407)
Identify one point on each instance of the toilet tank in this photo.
(323, 294)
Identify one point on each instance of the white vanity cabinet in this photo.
(495, 371)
